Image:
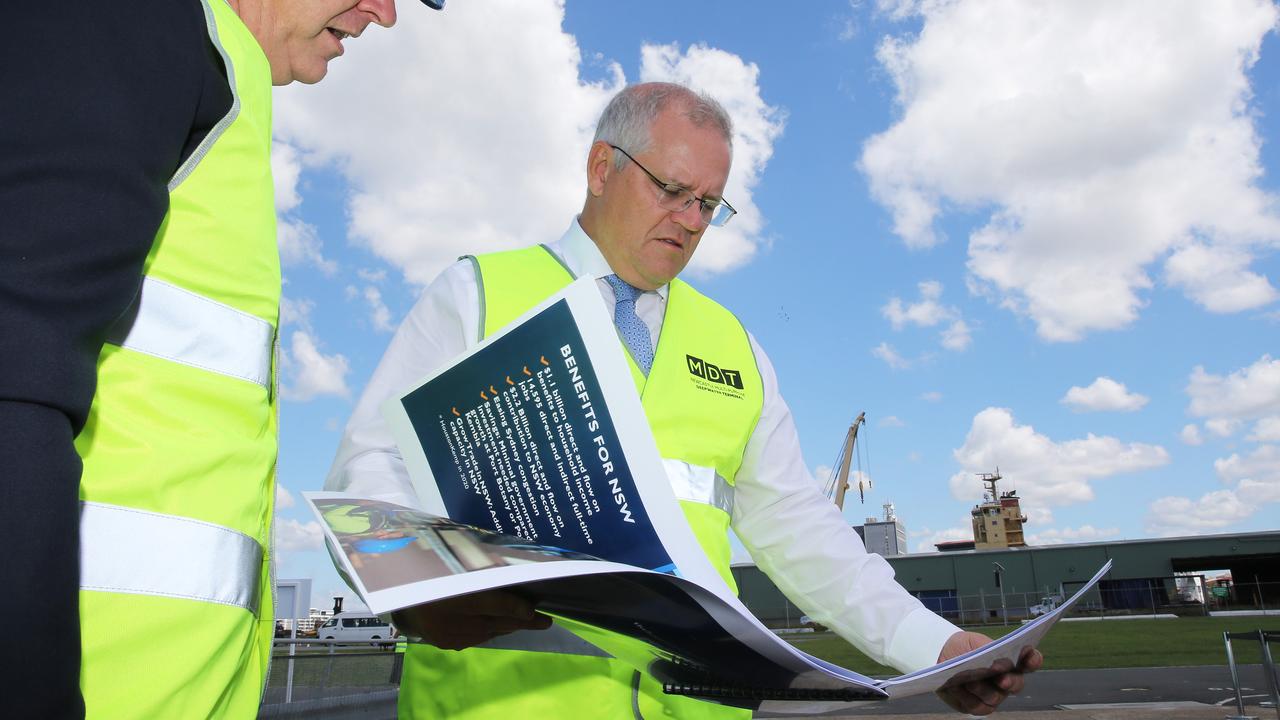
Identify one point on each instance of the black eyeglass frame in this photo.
(675, 189)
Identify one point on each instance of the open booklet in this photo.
(537, 473)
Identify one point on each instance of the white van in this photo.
(355, 626)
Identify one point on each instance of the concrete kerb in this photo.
(1170, 711)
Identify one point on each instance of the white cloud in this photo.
(1190, 435)
(891, 421)
(1104, 394)
(1257, 473)
(294, 536)
(284, 499)
(495, 118)
(1084, 533)
(1266, 430)
(379, 313)
(310, 372)
(1044, 472)
(1184, 516)
(1246, 394)
(933, 537)
(931, 396)
(1219, 278)
(736, 84)
(1222, 427)
(300, 245)
(286, 169)
(822, 474)
(298, 241)
(1256, 481)
(956, 336)
(1100, 140)
(885, 352)
(928, 312)
(296, 312)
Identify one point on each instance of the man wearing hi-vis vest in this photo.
(139, 299)
(656, 174)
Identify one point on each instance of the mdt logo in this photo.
(707, 371)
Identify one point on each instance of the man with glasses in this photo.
(139, 299)
(656, 173)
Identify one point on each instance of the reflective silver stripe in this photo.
(124, 550)
(554, 639)
(699, 484)
(179, 325)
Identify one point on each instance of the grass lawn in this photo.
(1101, 644)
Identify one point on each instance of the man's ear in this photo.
(599, 167)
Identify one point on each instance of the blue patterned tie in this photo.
(634, 332)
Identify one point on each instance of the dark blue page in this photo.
(520, 442)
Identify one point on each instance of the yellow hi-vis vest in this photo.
(180, 446)
(701, 426)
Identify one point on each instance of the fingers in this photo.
(1030, 661)
(976, 698)
(462, 622)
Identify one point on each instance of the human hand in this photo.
(461, 622)
(983, 695)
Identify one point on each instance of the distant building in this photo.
(998, 519)
(316, 618)
(887, 537)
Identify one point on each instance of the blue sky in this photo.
(1038, 238)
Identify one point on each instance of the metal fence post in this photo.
(1235, 681)
(1269, 667)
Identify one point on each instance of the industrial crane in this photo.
(838, 483)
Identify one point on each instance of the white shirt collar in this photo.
(583, 256)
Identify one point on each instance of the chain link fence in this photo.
(332, 679)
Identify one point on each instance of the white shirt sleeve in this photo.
(444, 323)
(800, 540)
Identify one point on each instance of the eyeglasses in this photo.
(674, 198)
(434, 4)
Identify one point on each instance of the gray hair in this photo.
(626, 119)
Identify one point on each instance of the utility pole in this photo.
(1004, 612)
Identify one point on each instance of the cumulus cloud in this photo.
(1100, 141)
(379, 313)
(296, 311)
(891, 421)
(294, 536)
(1253, 481)
(284, 498)
(885, 352)
(299, 243)
(736, 84)
(1257, 474)
(1045, 472)
(1184, 516)
(930, 538)
(1190, 435)
(310, 373)
(1104, 394)
(931, 396)
(494, 122)
(929, 312)
(1228, 401)
(1084, 533)
(1266, 430)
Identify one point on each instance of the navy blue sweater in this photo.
(99, 104)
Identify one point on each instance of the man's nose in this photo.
(691, 218)
(382, 11)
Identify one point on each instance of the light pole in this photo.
(1004, 612)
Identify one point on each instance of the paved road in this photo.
(1049, 689)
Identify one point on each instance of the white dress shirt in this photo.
(794, 533)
